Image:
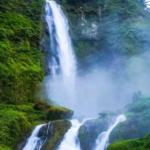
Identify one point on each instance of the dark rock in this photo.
(42, 106)
(46, 130)
(56, 133)
(137, 124)
(90, 130)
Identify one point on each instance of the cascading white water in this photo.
(103, 138)
(147, 2)
(70, 140)
(34, 142)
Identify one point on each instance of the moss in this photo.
(43, 106)
(20, 72)
(16, 122)
(12, 126)
(21, 59)
(55, 113)
(2, 147)
(137, 144)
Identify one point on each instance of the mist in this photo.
(102, 88)
(108, 82)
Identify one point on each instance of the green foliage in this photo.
(12, 126)
(21, 71)
(60, 127)
(16, 122)
(2, 147)
(137, 144)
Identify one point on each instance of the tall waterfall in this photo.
(58, 25)
(34, 142)
(62, 62)
(103, 138)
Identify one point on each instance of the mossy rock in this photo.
(42, 106)
(16, 123)
(5, 148)
(59, 129)
(21, 59)
(56, 113)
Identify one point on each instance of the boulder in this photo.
(56, 131)
(90, 130)
(42, 106)
(56, 113)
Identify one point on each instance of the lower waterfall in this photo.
(34, 142)
(70, 141)
(103, 138)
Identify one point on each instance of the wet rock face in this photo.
(56, 113)
(96, 26)
(89, 132)
(84, 19)
(52, 112)
(137, 124)
(55, 131)
(46, 130)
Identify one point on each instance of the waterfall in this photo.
(34, 142)
(60, 85)
(70, 141)
(103, 138)
(38, 137)
(60, 40)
